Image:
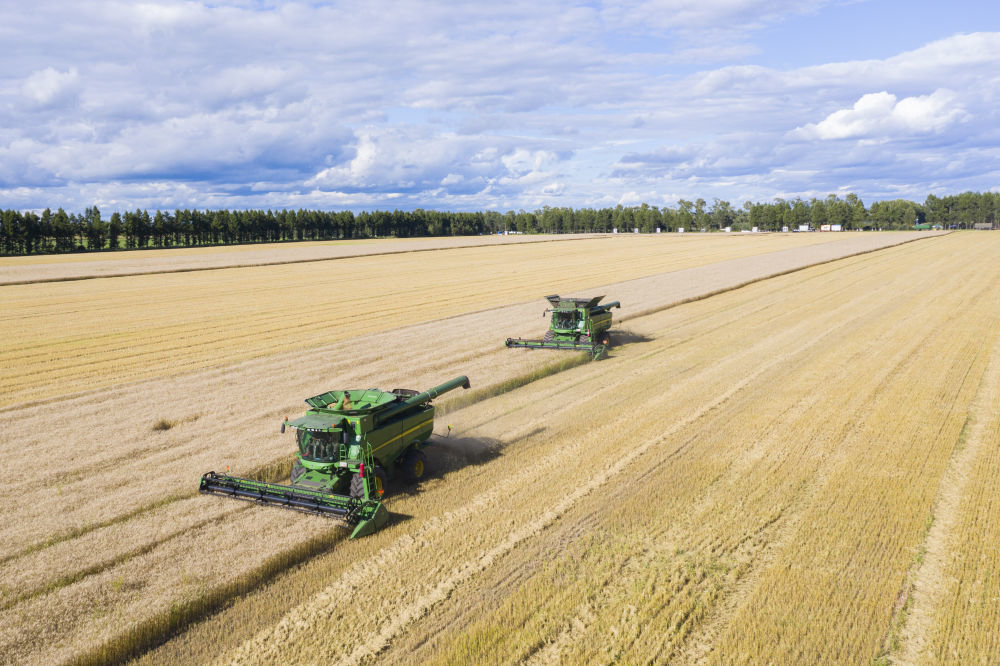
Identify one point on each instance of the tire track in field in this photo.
(928, 582)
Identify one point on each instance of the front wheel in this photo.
(379, 486)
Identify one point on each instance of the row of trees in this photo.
(33, 233)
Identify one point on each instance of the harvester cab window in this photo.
(318, 446)
(566, 319)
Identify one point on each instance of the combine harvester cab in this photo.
(577, 323)
(349, 443)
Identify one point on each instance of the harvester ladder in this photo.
(368, 458)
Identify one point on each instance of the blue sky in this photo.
(483, 106)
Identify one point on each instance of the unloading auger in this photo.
(350, 443)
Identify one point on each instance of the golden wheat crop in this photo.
(664, 504)
(65, 337)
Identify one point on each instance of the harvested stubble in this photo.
(65, 337)
(228, 428)
(769, 459)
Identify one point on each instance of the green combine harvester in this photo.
(349, 443)
(577, 323)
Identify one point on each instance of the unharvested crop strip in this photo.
(120, 353)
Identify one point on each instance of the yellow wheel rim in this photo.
(418, 469)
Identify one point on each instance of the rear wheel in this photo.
(413, 465)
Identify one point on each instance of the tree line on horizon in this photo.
(23, 233)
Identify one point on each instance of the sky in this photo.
(516, 105)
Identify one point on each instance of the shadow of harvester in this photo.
(623, 336)
(450, 454)
(445, 455)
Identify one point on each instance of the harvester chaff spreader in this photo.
(349, 443)
(577, 323)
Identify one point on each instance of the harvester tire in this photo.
(548, 336)
(358, 484)
(413, 465)
(297, 471)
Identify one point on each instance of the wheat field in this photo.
(790, 457)
(68, 336)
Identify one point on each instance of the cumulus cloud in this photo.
(880, 115)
